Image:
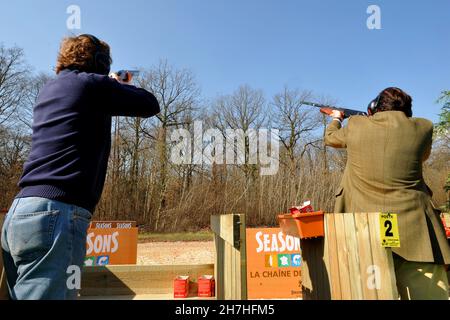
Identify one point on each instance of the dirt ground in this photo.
(193, 252)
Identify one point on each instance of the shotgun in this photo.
(125, 74)
(328, 109)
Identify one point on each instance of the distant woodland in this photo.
(143, 184)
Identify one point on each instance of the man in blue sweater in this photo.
(44, 234)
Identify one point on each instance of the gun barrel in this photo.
(347, 112)
(133, 72)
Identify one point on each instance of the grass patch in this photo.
(177, 236)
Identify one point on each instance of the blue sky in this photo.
(322, 46)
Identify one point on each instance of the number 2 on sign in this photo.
(389, 230)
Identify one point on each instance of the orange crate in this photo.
(181, 287)
(206, 286)
(302, 225)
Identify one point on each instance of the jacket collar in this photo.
(387, 114)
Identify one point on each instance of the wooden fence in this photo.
(231, 261)
(349, 263)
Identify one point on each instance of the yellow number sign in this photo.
(389, 230)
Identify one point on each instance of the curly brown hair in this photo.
(82, 53)
(395, 99)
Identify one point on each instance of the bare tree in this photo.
(245, 109)
(32, 88)
(14, 147)
(295, 122)
(178, 94)
(13, 81)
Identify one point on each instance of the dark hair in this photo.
(395, 99)
(81, 53)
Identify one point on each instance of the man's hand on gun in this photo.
(123, 77)
(335, 114)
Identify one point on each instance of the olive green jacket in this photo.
(384, 174)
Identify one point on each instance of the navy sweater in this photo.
(71, 139)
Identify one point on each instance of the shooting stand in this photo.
(349, 263)
(231, 261)
(156, 282)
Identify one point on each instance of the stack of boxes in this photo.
(206, 286)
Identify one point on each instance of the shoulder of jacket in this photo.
(357, 119)
(425, 123)
(93, 80)
(91, 76)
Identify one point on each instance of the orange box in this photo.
(302, 225)
(111, 246)
(181, 287)
(267, 276)
(445, 217)
(206, 286)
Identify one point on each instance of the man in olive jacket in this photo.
(385, 152)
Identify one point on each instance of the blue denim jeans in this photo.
(44, 244)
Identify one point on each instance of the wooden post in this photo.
(231, 257)
(4, 295)
(349, 263)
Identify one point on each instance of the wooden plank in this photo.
(235, 275)
(223, 226)
(344, 278)
(162, 296)
(326, 253)
(243, 259)
(4, 294)
(226, 273)
(135, 280)
(332, 253)
(382, 260)
(392, 289)
(231, 267)
(232, 284)
(365, 254)
(227, 270)
(219, 267)
(353, 256)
